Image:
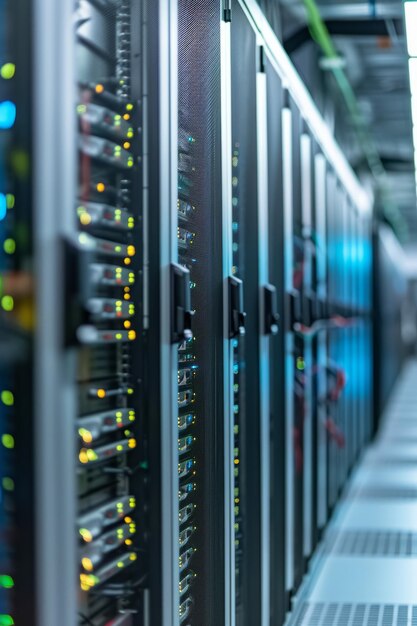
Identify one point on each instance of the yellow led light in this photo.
(128, 520)
(85, 219)
(7, 71)
(128, 542)
(86, 535)
(131, 250)
(132, 335)
(99, 88)
(101, 187)
(120, 564)
(87, 564)
(127, 261)
(127, 296)
(7, 303)
(83, 457)
(126, 145)
(132, 443)
(126, 116)
(7, 397)
(133, 557)
(101, 393)
(130, 391)
(237, 461)
(127, 324)
(85, 435)
(8, 441)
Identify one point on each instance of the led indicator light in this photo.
(126, 116)
(131, 250)
(7, 397)
(7, 303)
(85, 219)
(7, 114)
(3, 206)
(87, 564)
(127, 324)
(6, 620)
(85, 435)
(133, 557)
(128, 542)
(9, 246)
(126, 145)
(99, 88)
(7, 71)
(132, 443)
(128, 520)
(8, 483)
(127, 261)
(6, 582)
(101, 187)
(86, 535)
(101, 393)
(81, 108)
(8, 441)
(129, 107)
(10, 199)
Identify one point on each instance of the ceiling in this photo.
(370, 37)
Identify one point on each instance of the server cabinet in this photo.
(254, 353)
(17, 531)
(322, 342)
(196, 357)
(279, 598)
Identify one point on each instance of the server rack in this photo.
(17, 555)
(176, 464)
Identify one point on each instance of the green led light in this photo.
(9, 246)
(10, 201)
(6, 582)
(300, 363)
(8, 484)
(8, 442)
(7, 303)
(6, 620)
(81, 108)
(8, 70)
(7, 397)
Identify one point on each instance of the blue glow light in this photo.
(7, 114)
(3, 206)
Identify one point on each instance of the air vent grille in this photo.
(335, 614)
(372, 543)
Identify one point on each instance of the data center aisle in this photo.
(366, 572)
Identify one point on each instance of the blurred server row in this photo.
(186, 366)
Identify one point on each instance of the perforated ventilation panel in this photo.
(372, 543)
(334, 614)
(383, 493)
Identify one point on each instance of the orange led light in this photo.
(101, 187)
(101, 393)
(128, 520)
(126, 145)
(99, 88)
(127, 324)
(126, 116)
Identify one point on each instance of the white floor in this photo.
(367, 574)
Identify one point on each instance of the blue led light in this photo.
(3, 206)
(7, 114)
